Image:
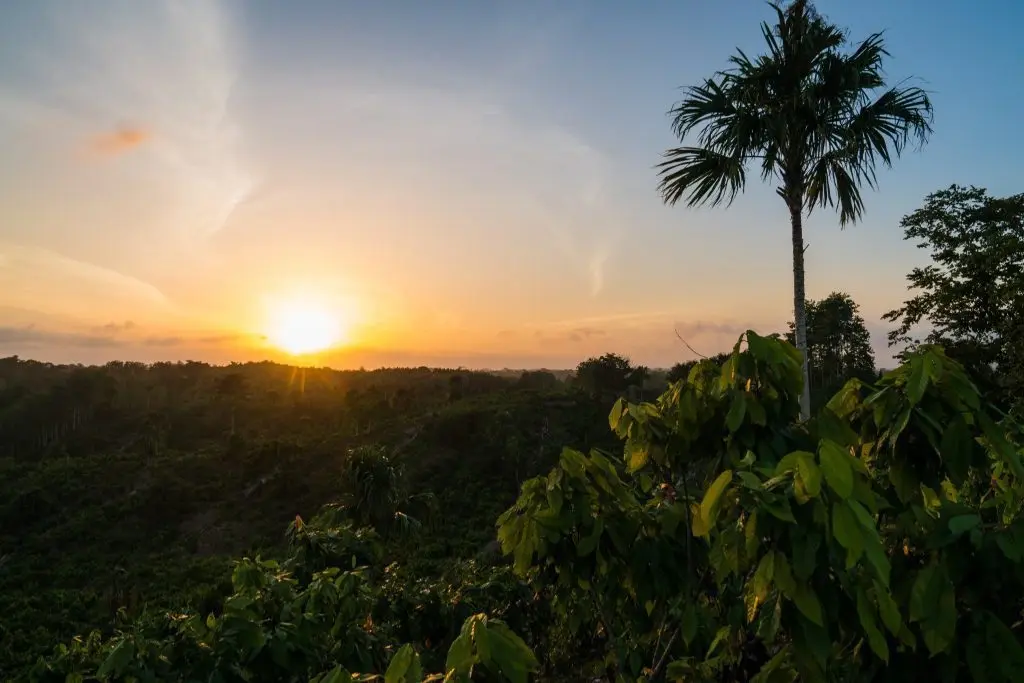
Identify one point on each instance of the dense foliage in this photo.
(139, 495)
(838, 345)
(972, 293)
(880, 541)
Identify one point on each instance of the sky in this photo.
(452, 183)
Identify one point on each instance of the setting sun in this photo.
(302, 328)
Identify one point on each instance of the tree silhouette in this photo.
(812, 115)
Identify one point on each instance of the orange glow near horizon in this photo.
(301, 327)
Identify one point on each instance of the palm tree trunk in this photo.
(799, 302)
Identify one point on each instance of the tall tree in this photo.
(814, 115)
(972, 294)
(607, 377)
(838, 344)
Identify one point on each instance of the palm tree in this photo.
(813, 114)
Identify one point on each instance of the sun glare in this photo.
(303, 328)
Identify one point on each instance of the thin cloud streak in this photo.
(118, 141)
(171, 66)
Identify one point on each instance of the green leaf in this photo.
(762, 581)
(780, 509)
(460, 654)
(917, 383)
(689, 624)
(750, 535)
(847, 531)
(956, 448)
(615, 415)
(961, 524)
(807, 602)
(888, 610)
(117, 661)
(810, 475)
(589, 543)
(791, 461)
(509, 652)
(867, 621)
(404, 667)
(940, 631)
(699, 525)
(637, 455)
(737, 411)
(831, 427)
(337, 675)
(713, 498)
(783, 575)
(836, 467)
(924, 594)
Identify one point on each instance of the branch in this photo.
(692, 350)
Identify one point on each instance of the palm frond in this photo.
(834, 180)
(702, 175)
(893, 119)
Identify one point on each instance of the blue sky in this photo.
(461, 182)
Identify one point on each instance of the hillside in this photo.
(135, 487)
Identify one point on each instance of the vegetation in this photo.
(972, 294)
(814, 118)
(779, 512)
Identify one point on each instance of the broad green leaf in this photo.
(917, 382)
(836, 467)
(961, 524)
(689, 624)
(637, 454)
(713, 498)
(940, 631)
(780, 509)
(847, 531)
(924, 594)
(807, 602)
(616, 414)
(783, 575)
(750, 535)
(589, 543)
(762, 581)
(831, 427)
(404, 667)
(699, 526)
(116, 662)
(791, 461)
(888, 610)
(805, 555)
(509, 652)
(876, 639)
(1009, 541)
(875, 554)
(810, 475)
(337, 675)
(737, 411)
(460, 654)
(956, 448)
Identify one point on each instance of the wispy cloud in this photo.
(28, 270)
(170, 67)
(121, 139)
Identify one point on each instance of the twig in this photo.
(692, 350)
(664, 654)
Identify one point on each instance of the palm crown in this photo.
(816, 118)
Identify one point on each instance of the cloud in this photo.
(30, 337)
(170, 65)
(54, 283)
(118, 141)
(119, 327)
